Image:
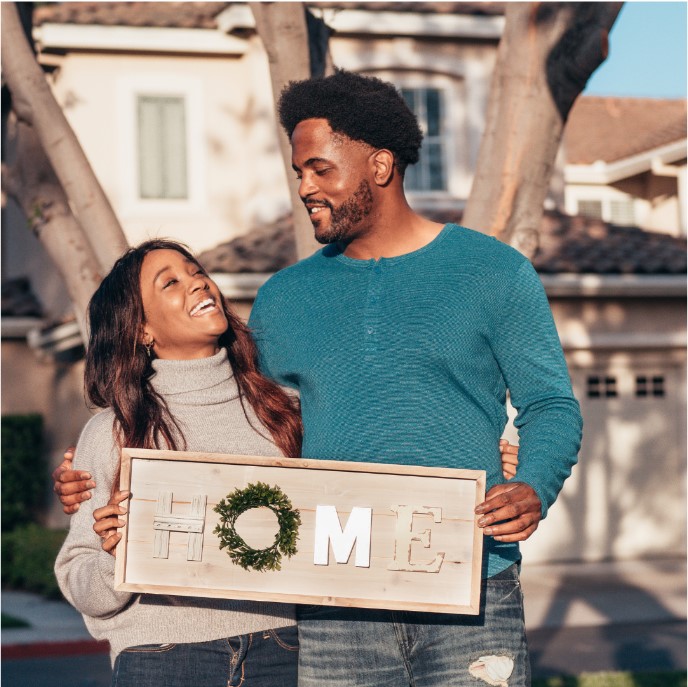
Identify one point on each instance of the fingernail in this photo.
(85, 496)
(488, 530)
(122, 510)
(90, 485)
(479, 509)
(482, 521)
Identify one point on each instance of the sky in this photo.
(647, 56)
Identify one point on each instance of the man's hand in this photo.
(107, 521)
(509, 455)
(71, 486)
(515, 507)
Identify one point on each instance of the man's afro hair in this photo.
(363, 108)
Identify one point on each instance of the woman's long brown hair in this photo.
(119, 370)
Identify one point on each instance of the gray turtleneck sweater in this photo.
(202, 395)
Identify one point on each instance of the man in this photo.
(402, 337)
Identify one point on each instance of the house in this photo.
(626, 162)
(172, 104)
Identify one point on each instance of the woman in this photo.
(174, 369)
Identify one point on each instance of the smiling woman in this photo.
(173, 368)
(184, 317)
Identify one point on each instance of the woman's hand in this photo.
(509, 458)
(107, 521)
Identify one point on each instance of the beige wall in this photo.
(235, 173)
(53, 389)
(656, 203)
(627, 496)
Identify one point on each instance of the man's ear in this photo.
(383, 166)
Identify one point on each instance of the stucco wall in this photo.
(235, 172)
(627, 496)
(53, 389)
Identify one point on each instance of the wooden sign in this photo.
(365, 534)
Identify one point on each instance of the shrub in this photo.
(24, 469)
(28, 559)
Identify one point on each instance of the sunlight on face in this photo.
(182, 306)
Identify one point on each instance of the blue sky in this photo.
(647, 55)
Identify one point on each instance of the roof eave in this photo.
(90, 37)
(566, 285)
(601, 172)
(239, 18)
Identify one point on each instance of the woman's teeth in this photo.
(203, 304)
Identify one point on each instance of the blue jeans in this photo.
(260, 659)
(350, 647)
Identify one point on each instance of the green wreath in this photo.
(255, 496)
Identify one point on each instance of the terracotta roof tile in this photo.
(588, 246)
(567, 244)
(201, 15)
(468, 8)
(611, 129)
(197, 15)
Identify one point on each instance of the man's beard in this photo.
(344, 218)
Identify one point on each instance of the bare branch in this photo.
(34, 103)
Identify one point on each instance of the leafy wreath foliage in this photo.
(255, 496)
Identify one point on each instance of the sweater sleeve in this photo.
(84, 571)
(528, 351)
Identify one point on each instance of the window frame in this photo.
(420, 96)
(160, 101)
(606, 196)
(456, 143)
(161, 84)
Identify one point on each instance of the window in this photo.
(162, 147)
(620, 211)
(649, 386)
(602, 387)
(429, 173)
(590, 208)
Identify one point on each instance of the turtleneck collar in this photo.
(195, 382)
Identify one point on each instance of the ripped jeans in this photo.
(350, 647)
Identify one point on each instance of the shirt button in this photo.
(369, 330)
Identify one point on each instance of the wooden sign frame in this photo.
(424, 548)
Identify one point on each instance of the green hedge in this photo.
(663, 679)
(28, 559)
(24, 469)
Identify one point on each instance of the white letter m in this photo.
(357, 531)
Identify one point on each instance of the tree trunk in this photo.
(34, 103)
(283, 29)
(31, 181)
(546, 55)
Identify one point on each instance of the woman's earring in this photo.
(148, 346)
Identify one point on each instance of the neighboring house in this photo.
(618, 295)
(626, 162)
(172, 104)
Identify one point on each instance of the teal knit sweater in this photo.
(409, 359)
